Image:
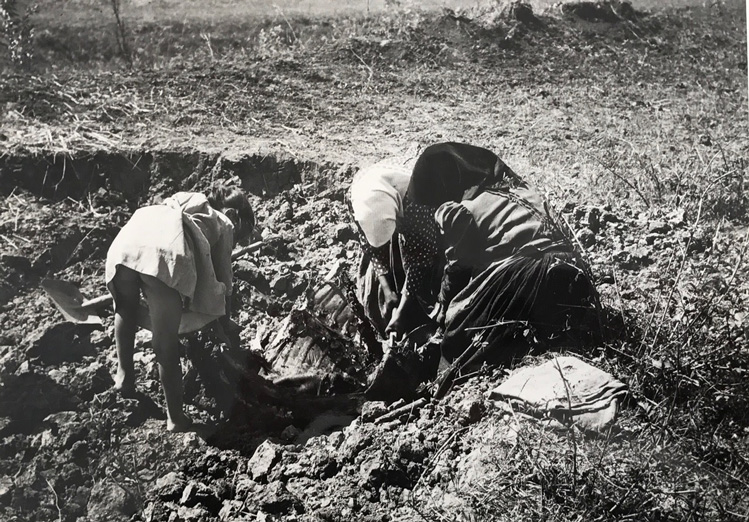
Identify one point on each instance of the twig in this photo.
(658, 300)
(619, 177)
(437, 454)
(408, 408)
(121, 32)
(207, 39)
(280, 12)
(706, 308)
(572, 427)
(57, 499)
(246, 250)
(371, 72)
(6, 238)
(619, 297)
(671, 293)
(494, 325)
(84, 238)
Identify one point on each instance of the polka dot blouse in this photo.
(419, 246)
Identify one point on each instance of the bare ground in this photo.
(637, 129)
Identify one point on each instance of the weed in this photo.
(16, 31)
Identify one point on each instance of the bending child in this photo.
(178, 254)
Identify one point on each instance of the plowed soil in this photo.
(633, 123)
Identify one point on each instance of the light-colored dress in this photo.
(184, 243)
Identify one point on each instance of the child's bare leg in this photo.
(127, 294)
(165, 310)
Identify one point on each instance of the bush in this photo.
(16, 31)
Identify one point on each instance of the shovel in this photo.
(77, 309)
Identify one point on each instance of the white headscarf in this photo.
(377, 194)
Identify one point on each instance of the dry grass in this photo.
(645, 121)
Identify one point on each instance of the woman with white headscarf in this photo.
(376, 197)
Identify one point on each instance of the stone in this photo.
(79, 452)
(593, 219)
(657, 226)
(303, 217)
(608, 217)
(170, 486)
(231, 510)
(198, 494)
(84, 382)
(281, 217)
(20, 263)
(6, 489)
(677, 217)
(335, 439)
(247, 271)
(373, 471)
(344, 232)
(61, 342)
(62, 419)
(275, 499)
(373, 409)
(28, 397)
(523, 12)
(632, 258)
(471, 411)
(586, 237)
(290, 433)
(322, 465)
(280, 284)
(110, 502)
(192, 440)
(261, 463)
(410, 450)
(244, 486)
(192, 513)
(353, 443)
(297, 289)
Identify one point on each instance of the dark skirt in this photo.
(368, 289)
(538, 300)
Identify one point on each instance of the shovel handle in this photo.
(246, 250)
(97, 302)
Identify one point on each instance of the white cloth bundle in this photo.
(564, 389)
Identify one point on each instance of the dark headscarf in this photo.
(455, 172)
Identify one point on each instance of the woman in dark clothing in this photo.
(443, 172)
(512, 279)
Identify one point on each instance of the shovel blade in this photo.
(68, 300)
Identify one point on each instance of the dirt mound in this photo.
(609, 11)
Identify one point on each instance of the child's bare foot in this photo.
(179, 425)
(124, 384)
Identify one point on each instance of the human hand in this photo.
(394, 330)
(438, 314)
(392, 300)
